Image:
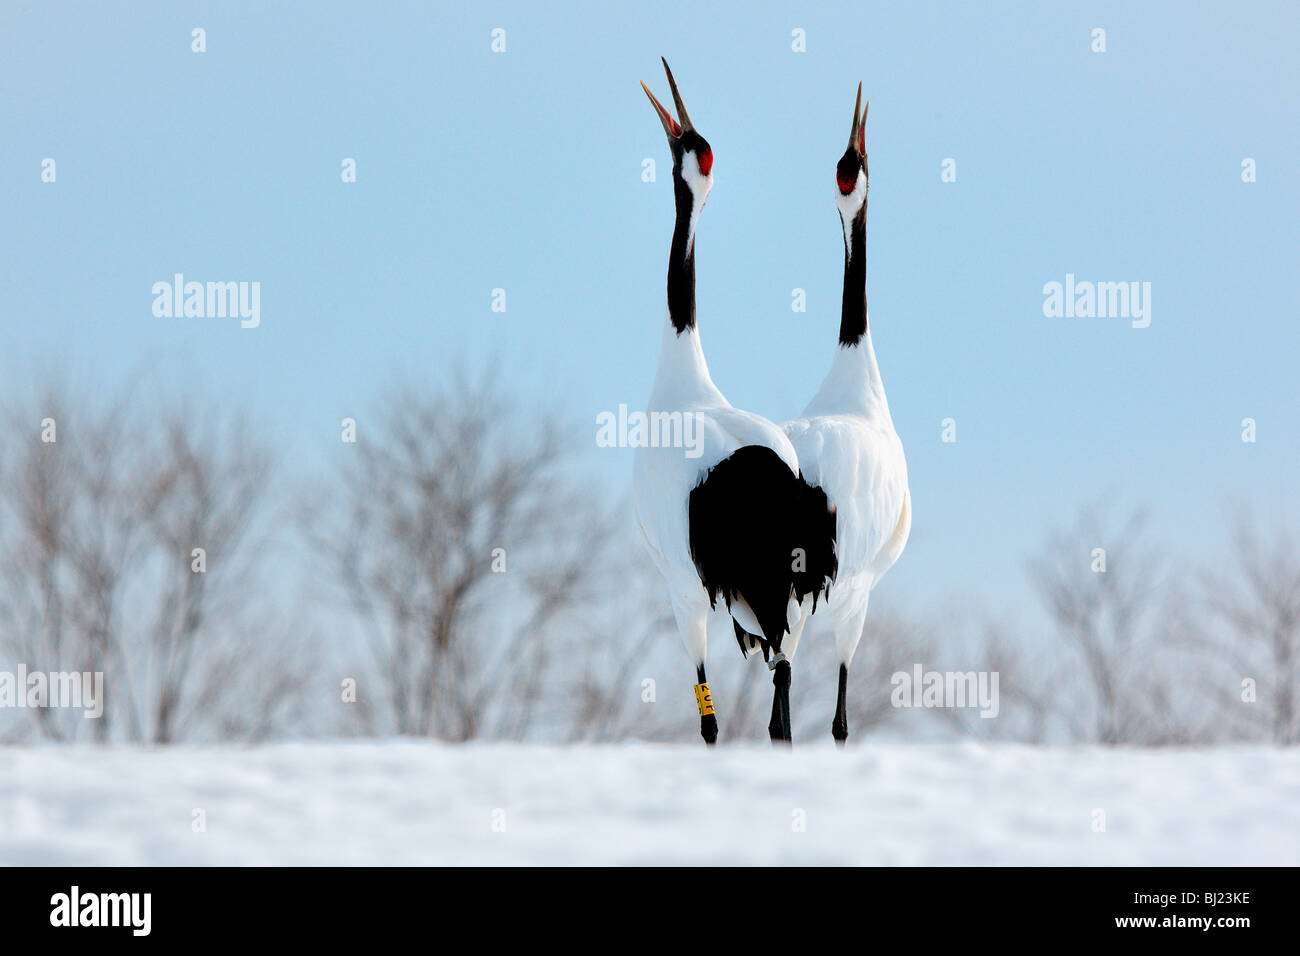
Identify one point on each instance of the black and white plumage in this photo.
(723, 518)
(846, 441)
(756, 561)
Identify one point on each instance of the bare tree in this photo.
(206, 496)
(131, 552)
(611, 701)
(457, 534)
(1117, 610)
(1258, 600)
(1026, 709)
(38, 486)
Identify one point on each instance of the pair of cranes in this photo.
(772, 519)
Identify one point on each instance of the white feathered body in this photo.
(663, 478)
(846, 445)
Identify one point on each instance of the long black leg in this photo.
(779, 726)
(704, 700)
(785, 706)
(840, 726)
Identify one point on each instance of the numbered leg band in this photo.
(703, 699)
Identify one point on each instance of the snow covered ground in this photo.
(421, 803)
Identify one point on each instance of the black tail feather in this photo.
(816, 524)
(758, 532)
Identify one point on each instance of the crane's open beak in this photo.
(671, 126)
(858, 134)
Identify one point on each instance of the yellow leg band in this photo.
(703, 699)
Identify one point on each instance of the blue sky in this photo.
(522, 171)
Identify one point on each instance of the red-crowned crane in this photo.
(729, 516)
(846, 441)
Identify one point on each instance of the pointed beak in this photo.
(858, 134)
(671, 126)
(684, 116)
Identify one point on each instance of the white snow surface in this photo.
(406, 802)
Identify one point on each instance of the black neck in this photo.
(681, 262)
(853, 307)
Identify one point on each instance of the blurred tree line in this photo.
(455, 575)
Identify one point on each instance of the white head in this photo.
(851, 170)
(692, 155)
